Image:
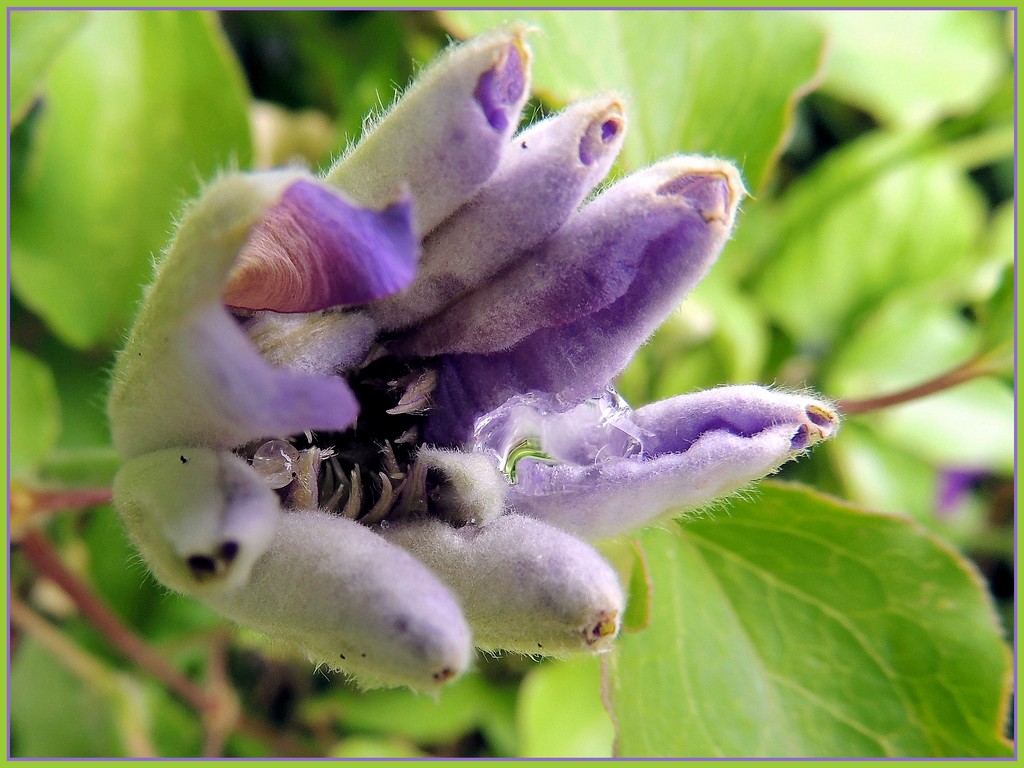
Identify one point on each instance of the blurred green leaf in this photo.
(967, 427)
(680, 357)
(94, 467)
(176, 730)
(469, 703)
(361, 64)
(884, 61)
(797, 626)
(887, 477)
(346, 64)
(882, 476)
(35, 413)
(696, 81)
(36, 39)
(84, 455)
(84, 380)
(367, 747)
(561, 713)
(908, 338)
(115, 570)
(911, 339)
(998, 325)
(907, 225)
(140, 107)
(740, 334)
(718, 335)
(57, 715)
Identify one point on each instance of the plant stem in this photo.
(92, 671)
(219, 710)
(82, 664)
(40, 551)
(222, 720)
(29, 504)
(963, 372)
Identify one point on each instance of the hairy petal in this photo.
(317, 343)
(694, 448)
(590, 262)
(314, 250)
(201, 518)
(474, 489)
(544, 175)
(576, 360)
(673, 425)
(445, 136)
(354, 602)
(246, 398)
(189, 374)
(524, 586)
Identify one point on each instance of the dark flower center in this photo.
(369, 472)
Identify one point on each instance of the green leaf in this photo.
(795, 625)
(140, 107)
(882, 476)
(36, 39)
(913, 67)
(561, 713)
(35, 413)
(886, 477)
(910, 339)
(892, 226)
(94, 467)
(83, 380)
(626, 556)
(84, 455)
(696, 81)
(968, 427)
(466, 704)
(997, 315)
(365, 747)
(115, 570)
(740, 334)
(345, 65)
(998, 325)
(176, 730)
(54, 714)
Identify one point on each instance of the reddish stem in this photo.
(40, 551)
(219, 710)
(70, 499)
(958, 375)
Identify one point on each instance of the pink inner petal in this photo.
(314, 250)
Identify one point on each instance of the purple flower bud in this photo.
(370, 414)
(523, 585)
(633, 468)
(536, 187)
(499, 89)
(443, 139)
(201, 518)
(355, 603)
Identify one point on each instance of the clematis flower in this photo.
(370, 413)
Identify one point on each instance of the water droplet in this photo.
(273, 461)
(544, 428)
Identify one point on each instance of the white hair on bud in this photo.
(475, 489)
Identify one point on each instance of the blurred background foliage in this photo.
(873, 262)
